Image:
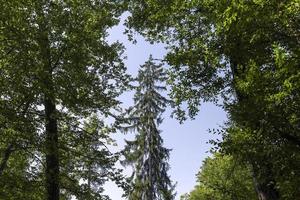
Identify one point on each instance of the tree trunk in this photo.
(265, 188)
(52, 159)
(51, 129)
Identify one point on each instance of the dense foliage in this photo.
(246, 52)
(57, 70)
(60, 81)
(222, 178)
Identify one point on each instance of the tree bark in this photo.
(51, 129)
(48, 92)
(52, 158)
(266, 188)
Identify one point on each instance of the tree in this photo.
(221, 177)
(146, 152)
(215, 49)
(87, 162)
(54, 60)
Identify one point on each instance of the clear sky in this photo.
(188, 141)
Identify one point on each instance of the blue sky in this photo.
(188, 141)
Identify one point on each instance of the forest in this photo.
(62, 81)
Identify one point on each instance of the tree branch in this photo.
(6, 155)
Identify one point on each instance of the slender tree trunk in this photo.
(51, 133)
(52, 158)
(6, 155)
(51, 129)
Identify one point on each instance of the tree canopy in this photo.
(57, 70)
(243, 55)
(61, 81)
(222, 177)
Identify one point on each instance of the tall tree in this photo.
(150, 180)
(228, 48)
(55, 59)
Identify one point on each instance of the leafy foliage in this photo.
(56, 71)
(221, 177)
(87, 162)
(246, 52)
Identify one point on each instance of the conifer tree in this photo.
(150, 180)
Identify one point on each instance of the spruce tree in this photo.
(150, 180)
